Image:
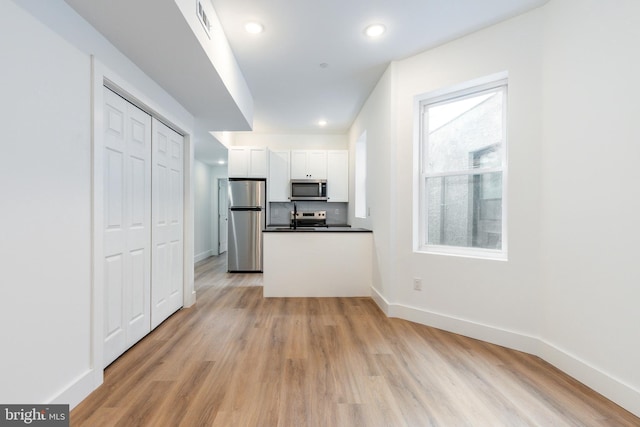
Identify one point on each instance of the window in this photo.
(361, 177)
(462, 149)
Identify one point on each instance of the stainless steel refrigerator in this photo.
(247, 218)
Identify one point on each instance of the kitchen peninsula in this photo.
(317, 262)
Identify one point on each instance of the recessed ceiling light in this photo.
(221, 162)
(375, 30)
(254, 27)
(322, 122)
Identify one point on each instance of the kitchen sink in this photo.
(291, 229)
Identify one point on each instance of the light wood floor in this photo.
(236, 359)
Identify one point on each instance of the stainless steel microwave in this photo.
(308, 189)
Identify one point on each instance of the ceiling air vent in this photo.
(204, 20)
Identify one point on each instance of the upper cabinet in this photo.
(248, 162)
(281, 166)
(278, 182)
(338, 175)
(308, 164)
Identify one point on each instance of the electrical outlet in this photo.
(417, 284)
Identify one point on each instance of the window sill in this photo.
(475, 253)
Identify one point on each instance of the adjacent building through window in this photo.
(462, 147)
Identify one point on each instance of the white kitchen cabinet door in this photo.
(238, 163)
(338, 175)
(167, 219)
(127, 225)
(258, 162)
(248, 162)
(317, 164)
(299, 165)
(308, 164)
(278, 182)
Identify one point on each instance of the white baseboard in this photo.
(380, 300)
(78, 390)
(203, 255)
(503, 337)
(610, 387)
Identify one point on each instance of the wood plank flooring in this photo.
(237, 359)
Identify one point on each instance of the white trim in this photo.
(380, 300)
(463, 172)
(494, 335)
(97, 216)
(464, 252)
(75, 392)
(188, 238)
(497, 82)
(610, 387)
(488, 81)
(202, 256)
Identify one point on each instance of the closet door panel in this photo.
(167, 219)
(127, 220)
(138, 213)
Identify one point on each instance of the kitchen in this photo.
(299, 200)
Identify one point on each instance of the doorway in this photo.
(223, 212)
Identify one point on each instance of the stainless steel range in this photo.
(309, 219)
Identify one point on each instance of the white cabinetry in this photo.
(341, 264)
(308, 164)
(338, 175)
(278, 182)
(248, 162)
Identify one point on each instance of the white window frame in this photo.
(420, 223)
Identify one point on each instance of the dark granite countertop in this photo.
(330, 229)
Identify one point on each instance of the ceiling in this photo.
(312, 62)
(282, 68)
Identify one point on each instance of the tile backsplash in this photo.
(280, 211)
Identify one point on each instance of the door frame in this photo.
(219, 181)
(103, 76)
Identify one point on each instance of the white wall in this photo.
(590, 208)
(220, 54)
(46, 176)
(203, 215)
(375, 119)
(495, 300)
(45, 182)
(568, 291)
(277, 141)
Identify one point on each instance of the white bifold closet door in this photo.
(143, 224)
(167, 218)
(127, 225)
